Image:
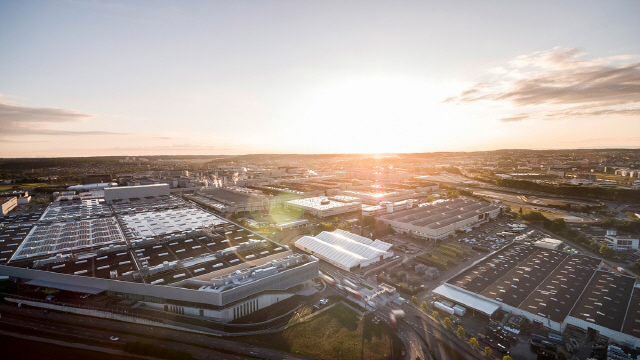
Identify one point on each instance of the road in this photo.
(96, 329)
(443, 343)
(414, 346)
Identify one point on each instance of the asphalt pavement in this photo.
(97, 329)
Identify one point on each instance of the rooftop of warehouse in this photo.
(317, 202)
(231, 196)
(606, 300)
(164, 234)
(559, 291)
(442, 213)
(631, 324)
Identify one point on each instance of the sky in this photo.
(90, 78)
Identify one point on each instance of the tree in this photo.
(638, 264)
(488, 351)
(474, 343)
(558, 225)
(414, 300)
(506, 357)
(606, 251)
(460, 331)
(507, 209)
(436, 315)
(425, 308)
(520, 211)
(430, 198)
(448, 323)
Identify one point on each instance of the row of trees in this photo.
(459, 331)
(593, 192)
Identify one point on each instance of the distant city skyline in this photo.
(194, 78)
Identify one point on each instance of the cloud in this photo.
(19, 113)
(560, 78)
(570, 113)
(17, 119)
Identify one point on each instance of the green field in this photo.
(6, 187)
(526, 210)
(338, 333)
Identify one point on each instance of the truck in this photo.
(443, 307)
(394, 316)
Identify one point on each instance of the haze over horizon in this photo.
(149, 78)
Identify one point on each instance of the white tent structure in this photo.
(345, 250)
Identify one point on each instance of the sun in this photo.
(376, 114)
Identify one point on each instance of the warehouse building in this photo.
(323, 206)
(129, 192)
(345, 250)
(376, 195)
(551, 288)
(7, 204)
(231, 199)
(159, 251)
(442, 218)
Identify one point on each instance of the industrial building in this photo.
(345, 250)
(231, 199)
(442, 218)
(376, 195)
(128, 192)
(551, 288)
(7, 204)
(159, 251)
(619, 241)
(323, 206)
(386, 208)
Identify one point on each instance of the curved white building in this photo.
(345, 250)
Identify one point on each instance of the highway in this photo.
(434, 332)
(96, 329)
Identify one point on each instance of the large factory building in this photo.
(158, 250)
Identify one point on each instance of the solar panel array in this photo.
(152, 203)
(68, 236)
(149, 224)
(76, 209)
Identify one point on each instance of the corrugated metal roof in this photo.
(468, 300)
(344, 247)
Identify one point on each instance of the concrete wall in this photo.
(612, 334)
(127, 192)
(280, 281)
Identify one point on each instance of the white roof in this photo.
(344, 247)
(469, 300)
(548, 243)
(316, 202)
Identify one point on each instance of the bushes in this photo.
(140, 348)
(480, 248)
(443, 257)
(615, 194)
